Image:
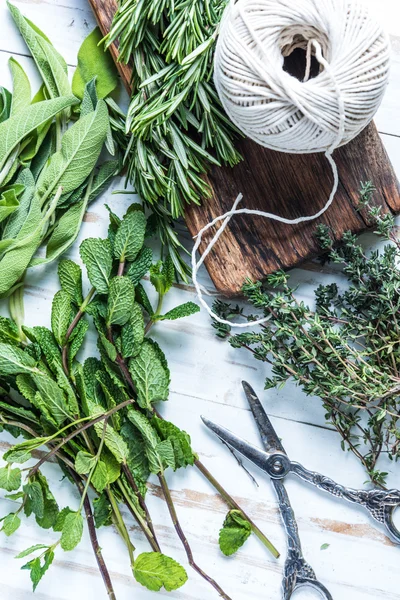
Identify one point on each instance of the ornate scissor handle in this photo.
(298, 573)
(381, 504)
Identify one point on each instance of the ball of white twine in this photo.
(283, 113)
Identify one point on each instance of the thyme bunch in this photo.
(176, 126)
(346, 349)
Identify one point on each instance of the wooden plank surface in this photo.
(283, 184)
(360, 562)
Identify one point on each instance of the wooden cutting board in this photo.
(285, 184)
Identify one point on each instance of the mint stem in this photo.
(234, 505)
(77, 432)
(93, 538)
(184, 540)
(142, 504)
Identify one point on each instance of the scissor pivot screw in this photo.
(277, 466)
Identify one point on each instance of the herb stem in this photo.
(121, 526)
(76, 432)
(183, 538)
(142, 503)
(138, 517)
(234, 505)
(93, 537)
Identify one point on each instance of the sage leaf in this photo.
(94, 61)
(51, 65)
(8, 203)
(18, 217)
(130, 236)
(97, 258)
(80, 148)
(5, 104)
(17, 127)
(61, 315)
(155, 570)
(72, 531)
(150, 375)
(21, 97)
(121, 298)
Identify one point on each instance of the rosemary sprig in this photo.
(176, 126)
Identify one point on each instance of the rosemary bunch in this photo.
(176, 125)
(98, 419)
(346, 350)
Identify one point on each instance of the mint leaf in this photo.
(14, 360)
(10, 524)
(70, 276)
(179, 439)
(120, 300)
(150, 440)
(234, 532)
(154, 571)
(130, 236)
(37, 570)
(113, 441)
(183, 310)
(97, 258)
(72, 531)
(30, 550)
(132, 333)
(62, 515)
(61, 315)
(141, 265)
(10, 479)
(143, 299)
(150, 375)
(84, 462)
(325, 546)
(9, 332)
(102, 511)
(35, 499)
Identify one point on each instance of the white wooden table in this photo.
(360, 562)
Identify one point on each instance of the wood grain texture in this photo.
(283, 184)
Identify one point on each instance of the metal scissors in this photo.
(381, 504)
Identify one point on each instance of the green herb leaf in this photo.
(102, 511)
(61, 315)
(132, 333)
(81, 145)
(154, 571)
(10, 479)
(11, 523)
(21, 97)
(150, 375)
(34, 492)
(234, 532)
(30, 550)
(14, 361)
(70, 275)
(84, 462)
(97, 257)
(141, 265)
(130, 236)
(121, 299)
(113, 441)
(183, 310)
(59, 524)
(324, 546)
(94, 61)
(15, 129)
(72, 531)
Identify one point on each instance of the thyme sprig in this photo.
(346, 350)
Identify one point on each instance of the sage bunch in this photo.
(344, 351)
(49, 149)
(98, 419)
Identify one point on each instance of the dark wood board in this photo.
(288, 185)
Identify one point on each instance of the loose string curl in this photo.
(282, 113)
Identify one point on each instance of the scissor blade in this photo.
(269, 438)
(252, 453)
